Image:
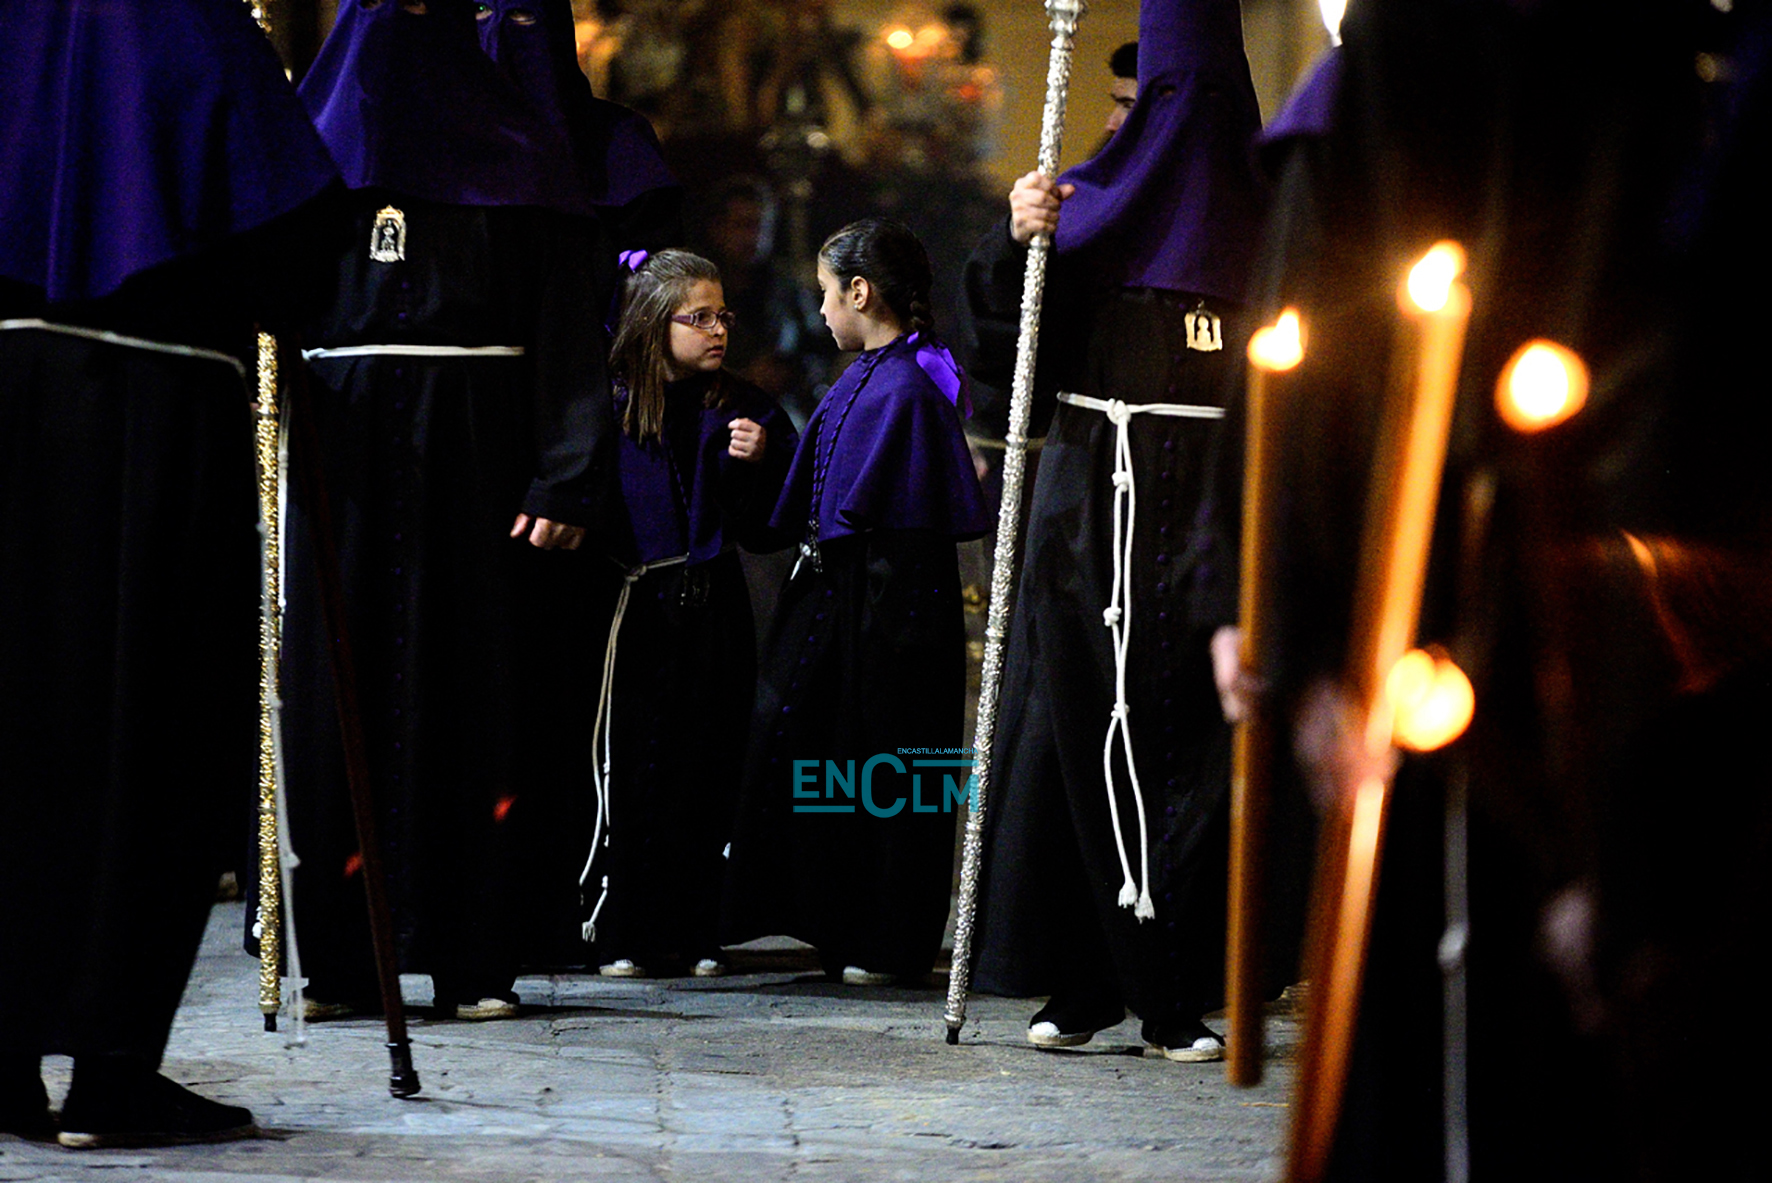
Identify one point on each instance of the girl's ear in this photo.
(860, 292)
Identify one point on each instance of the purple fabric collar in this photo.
(670, 512)
(408, 102)
(615, 152)
(892, 452)
(944, 371)
(136, 132)
(1173, 200)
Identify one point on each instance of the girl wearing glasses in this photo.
(844, 838)
(702, 454)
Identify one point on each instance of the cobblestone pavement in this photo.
(770, 1074)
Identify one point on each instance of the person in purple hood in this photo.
(840, 841)
(1104, 888)
(162, 187)
(702, 457)
(613, 149)
(463, 407)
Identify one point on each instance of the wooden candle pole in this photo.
(1387, 602)
(1273, 351)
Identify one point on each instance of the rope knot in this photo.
(1122, 480)
(1110, 616)
(1120, 711)
(1145, 910)
(1117, 412)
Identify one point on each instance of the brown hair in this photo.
(642, 348)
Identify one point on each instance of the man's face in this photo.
(1124, 92)
(736, 232)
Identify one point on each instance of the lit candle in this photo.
(1274, 350)
(1542, 385)
(1407, 466)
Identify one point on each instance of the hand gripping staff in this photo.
(1063, 16)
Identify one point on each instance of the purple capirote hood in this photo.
(407, 101)
(1173, 201)
(136, 132)
(615, 151)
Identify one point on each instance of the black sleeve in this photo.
(995, 275)
(574, 422)
(748, 492)
(1218, 533)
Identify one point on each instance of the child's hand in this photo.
(546, 534)
(748, 438)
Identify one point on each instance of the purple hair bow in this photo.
(944, 371)
(633, 261)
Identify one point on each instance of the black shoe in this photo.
(145, 1109)
(24, 1103)
(1070, 1022)
(1185, 1043)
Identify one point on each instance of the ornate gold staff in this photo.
(269, 921)
(269, 926)
(1063, 16)
(1394, 690)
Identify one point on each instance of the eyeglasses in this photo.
(705, 320)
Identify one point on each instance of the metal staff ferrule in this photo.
(1063, 16)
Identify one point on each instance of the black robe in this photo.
(128, 641)
(474, 650)
(843, 839)
(1611, 682)
(1050, 918)
(685, 672)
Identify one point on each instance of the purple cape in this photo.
(1173, 201)
(615, 149)
(1310, 109)
(898, 459)
(135, 132)
(408, 102)
(649, 487)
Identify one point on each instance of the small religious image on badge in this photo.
(387, 239)
(1204, 331)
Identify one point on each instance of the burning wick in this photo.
(1542, 385)
(1432, 698)
(1431, 279)
(1279, 346)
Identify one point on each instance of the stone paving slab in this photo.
(762, 1076)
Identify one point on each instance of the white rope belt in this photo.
(1118, 617)
(414, 351)
(110, 338)
(601, 729)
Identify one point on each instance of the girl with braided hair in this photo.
(842, 840)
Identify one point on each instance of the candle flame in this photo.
(1432, 700)
(1542, 385)
(1278, 346)
(1432, 277)
(900, 38)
